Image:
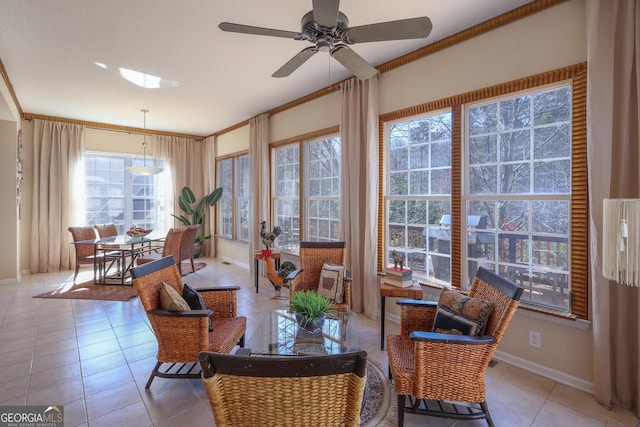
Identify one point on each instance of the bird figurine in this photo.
(269, 237)
(278, 278)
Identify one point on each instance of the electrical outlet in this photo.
(535, 339)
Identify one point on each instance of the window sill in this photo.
(554, 316)
(561, 318)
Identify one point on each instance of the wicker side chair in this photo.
(285, 391)
(435, 369)
(182, 335)
(84, 252)
(171, 247)
(186, 246)
(312, 256)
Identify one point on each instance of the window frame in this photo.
(301, 142)
(235, 200)
(575, 74)
(128, 196)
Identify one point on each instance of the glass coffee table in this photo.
(279, 334)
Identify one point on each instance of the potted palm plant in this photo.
(310, 309)
(195, 212)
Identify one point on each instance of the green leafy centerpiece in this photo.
(310, 309)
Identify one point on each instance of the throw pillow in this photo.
(461, 315)
(331, 283)
(195, 301)
(171, 300)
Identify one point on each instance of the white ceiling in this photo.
(210, 79)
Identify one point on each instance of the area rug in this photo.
(377, 399)
(88, 290)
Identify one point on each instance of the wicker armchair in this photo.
(171, 247)
(85, 252)
(285, 391)
(186, 246)
(183, 335)
(312, 256)
(435, 369)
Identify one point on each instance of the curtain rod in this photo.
(109, 127)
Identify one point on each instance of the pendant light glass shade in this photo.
(144, 170)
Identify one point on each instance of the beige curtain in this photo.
(209, 175)
(186, 166)
(260, 180)
(359, 195)
(58, 185)
(613, 155)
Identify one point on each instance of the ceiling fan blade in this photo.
(248, 29)
(412, 28)
(353, 62)
(295, 62)
(325, 12)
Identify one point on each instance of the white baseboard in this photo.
(233, 261)
(552, 374)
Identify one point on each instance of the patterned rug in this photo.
(88, 290)
(377, 399)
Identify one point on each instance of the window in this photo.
(419, 193)
(323, 190)
(114, 195)
(496, 180)
(316, 204)
(243, 196)
(234, 176)
(286, 203)
(519, 169)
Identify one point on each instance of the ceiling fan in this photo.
(328, 29)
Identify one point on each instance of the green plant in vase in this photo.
(310, 309)
(194, 213)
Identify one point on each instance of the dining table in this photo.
(114, 256)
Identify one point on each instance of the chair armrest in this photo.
(293, 274)
(347, 276)
(221, 299)
(416, 315)
(417, 303)
(218, 289)
(187, 313)
(451, 339)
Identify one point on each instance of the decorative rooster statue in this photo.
(279, 278)
(269, 237)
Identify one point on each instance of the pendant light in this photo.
(144, 170)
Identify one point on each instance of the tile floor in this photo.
(94, 357)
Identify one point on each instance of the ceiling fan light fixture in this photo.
(328, 30)
(144, 170)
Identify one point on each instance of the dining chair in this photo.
(301, 391)
(171, 247)
(439, 358)
(85, 252)
(186, 246)
(110, 230)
